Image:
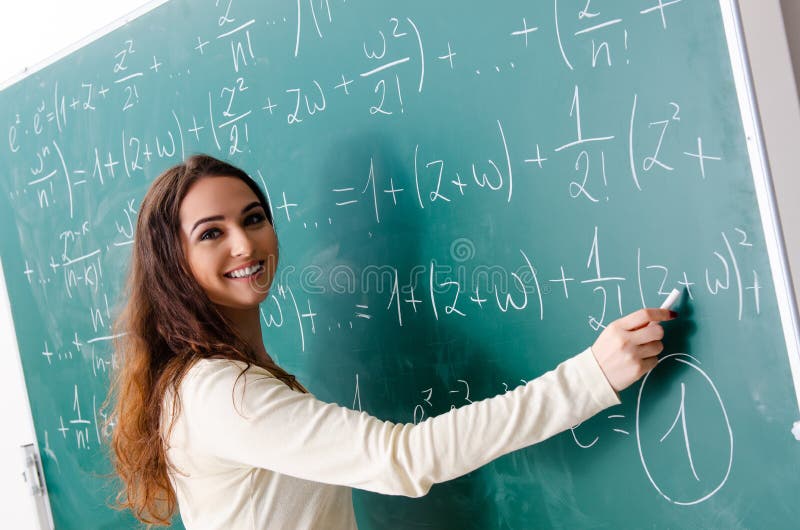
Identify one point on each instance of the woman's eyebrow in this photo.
(254, 204)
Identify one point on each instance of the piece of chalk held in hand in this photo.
(796, 430)
(671, 299)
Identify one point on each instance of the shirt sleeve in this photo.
(260, 422)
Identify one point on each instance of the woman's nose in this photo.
(241, 245)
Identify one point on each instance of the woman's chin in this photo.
(241, 302)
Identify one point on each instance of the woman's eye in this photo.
(251, 219)
(258, 217)
(207, 232)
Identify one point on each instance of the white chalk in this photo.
(671, 299)
(796, 430)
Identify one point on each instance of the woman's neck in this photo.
(247, 323)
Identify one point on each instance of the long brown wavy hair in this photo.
(166, 324)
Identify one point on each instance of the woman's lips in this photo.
(256, 273)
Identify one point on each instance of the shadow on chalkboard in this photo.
(678, 332)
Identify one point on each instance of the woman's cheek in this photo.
(203, 266)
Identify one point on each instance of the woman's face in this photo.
(225, 230)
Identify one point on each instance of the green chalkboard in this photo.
(465, 194)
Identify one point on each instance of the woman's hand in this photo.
(629, 346)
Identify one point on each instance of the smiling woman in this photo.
(231, 251)
(200, 222)
(187, 435)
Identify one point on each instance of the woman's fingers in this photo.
(629, 346)
(651, 349)
(642, 317)
(650, 332)
(649, 363)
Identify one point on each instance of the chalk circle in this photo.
(693, 363)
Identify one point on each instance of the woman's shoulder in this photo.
(219, 368)
(209, 380)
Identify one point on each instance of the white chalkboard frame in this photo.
(763, 182)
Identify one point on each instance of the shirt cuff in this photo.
(595, 380)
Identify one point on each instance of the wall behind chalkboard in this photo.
(465, 196)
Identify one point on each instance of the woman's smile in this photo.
(251, 270)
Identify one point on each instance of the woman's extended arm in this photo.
(273, 427)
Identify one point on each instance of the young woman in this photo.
(206, 420)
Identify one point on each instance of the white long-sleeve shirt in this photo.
(259, 455)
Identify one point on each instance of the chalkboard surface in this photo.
(465, 194)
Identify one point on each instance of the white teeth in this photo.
(248, 271)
